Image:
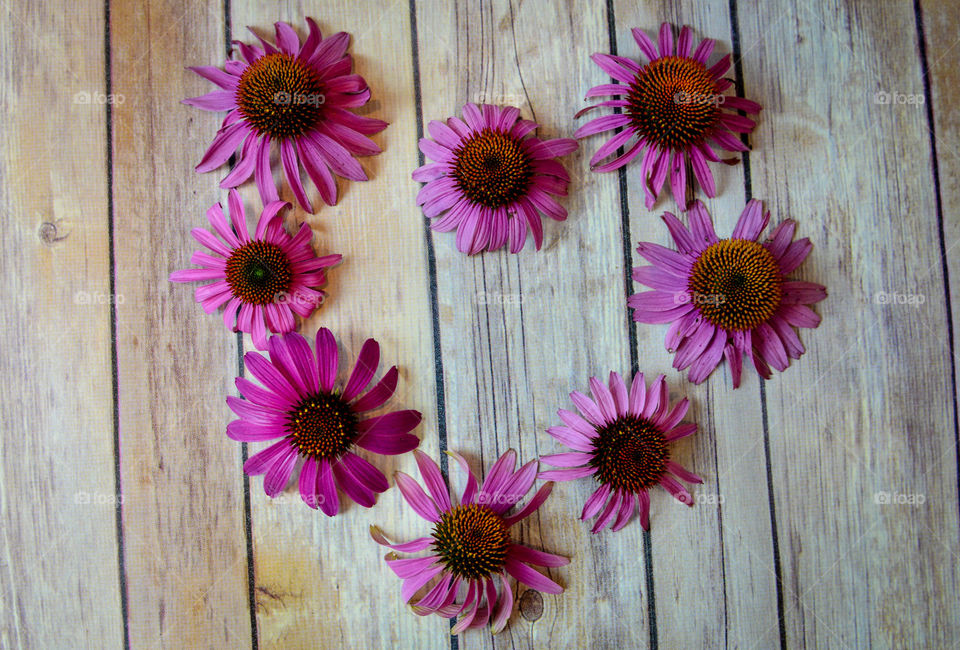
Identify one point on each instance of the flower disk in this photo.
(258, 272)
(322, 426)
(492, 169)
(471, 540)
(736, 284)
(280, 96)
(674, 102)
(630, 454)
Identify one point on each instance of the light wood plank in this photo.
(59, 577)
(549, 319)
(713, 566)
(844, 422)
(183, 508)
(319, 581)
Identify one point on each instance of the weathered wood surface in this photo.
(126, 518)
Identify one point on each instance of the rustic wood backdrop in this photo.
(126, 518)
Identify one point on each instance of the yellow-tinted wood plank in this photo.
(713, 566)
(321, 581)
(186, 554)
(519, 332)
(59, 577)
(865, 416)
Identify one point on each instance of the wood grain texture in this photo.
(186, 559)
(724, 543)
(320, 581)
(58, 537)
(844, 423)
(519, 332)
(790, 542)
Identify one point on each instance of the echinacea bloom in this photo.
(470, 547)
(727, 297)
(673, 108)
(489, 180)
(621, 440)
(262, 280)
(296, 95)
(318, 420)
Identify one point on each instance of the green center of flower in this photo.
(471, 540)
(630, 454)
(322, 426)
(674, 102)
(281, 96)
(736, 284)
(491, 169)
(258, 273)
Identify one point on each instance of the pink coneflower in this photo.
(318, 421)
(298, 96)
(727, 297)
(264, 280)
(673, 107)
(490, 181)
(621, 440)
(470, 546)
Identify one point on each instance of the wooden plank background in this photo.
(126, 518)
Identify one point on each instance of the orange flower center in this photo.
(492, 169)
(322, 426)
(471, 540)
(736, 284)
(674, 102)
(259, 273)
(281, 96)
(630, 454)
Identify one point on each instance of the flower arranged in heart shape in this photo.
(470, 547)
(262, 280)
(491, 179)
(622, 440)
(318, 421)
(297, 95)
(728, 297)
(670, 110)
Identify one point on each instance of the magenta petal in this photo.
(329, 500)
(595, 502)
(530, 577)
(278, 475)
(366, 366)
(567, 473)
(379, 394)
(328, 358)
(352, 487)
(433, 479)
(260, 462)
(533, 556)
(416, 497)
(531, 506)
(308, 483)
